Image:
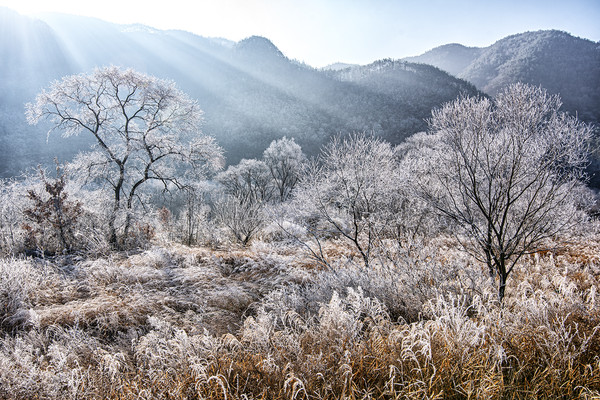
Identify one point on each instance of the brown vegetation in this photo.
(186, 323)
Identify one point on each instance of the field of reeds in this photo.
(267, 322)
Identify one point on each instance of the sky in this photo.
(322, 32)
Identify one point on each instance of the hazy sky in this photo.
(321, 32)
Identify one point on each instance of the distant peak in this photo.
(548, 34)
(455, 46)
(258, 44)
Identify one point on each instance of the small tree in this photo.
(506, 172)
(52, 215)
(145, 129)
(193, 214)
(284, 158)
(350, 192)
(249, 182)
(246, 189)
(243, 220)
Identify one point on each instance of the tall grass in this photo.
(191, 323)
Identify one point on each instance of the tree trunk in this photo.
(127, 224)
(488, 253)
(112, 236)
(113, 241)
(503, 276)
(501, 288)
(190, 220)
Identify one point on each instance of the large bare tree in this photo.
(144, 128)
(507, 171)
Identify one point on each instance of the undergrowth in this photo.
(267, 323)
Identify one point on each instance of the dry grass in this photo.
(191, 323)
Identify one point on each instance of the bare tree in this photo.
(350, 192)
(193, 214)
(284, 158)
(243, 220)
(506, 171)
(245, 190)
(144, 128)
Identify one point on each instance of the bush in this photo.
(51, 218)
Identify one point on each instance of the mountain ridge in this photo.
(451, 57)
(556, 60)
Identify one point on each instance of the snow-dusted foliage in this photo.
(285, 160)
(507, 172)
(188, 323)
(144, 129)
(17, 279)
(351, 193)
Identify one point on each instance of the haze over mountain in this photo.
(250, 92)
(555, 60)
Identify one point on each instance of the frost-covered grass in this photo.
(268, 322)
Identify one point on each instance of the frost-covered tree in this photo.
(245, 190)
(415, 218)
(193, 215)
(242, 220)
(284, 158)
(507, 172)
(145, 130)
(350, 192)
(249, 182)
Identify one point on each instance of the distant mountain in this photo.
(453, 58)
(250, 92)
(555, 60)
(258, 48)
(31, 55)
(402, 79)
